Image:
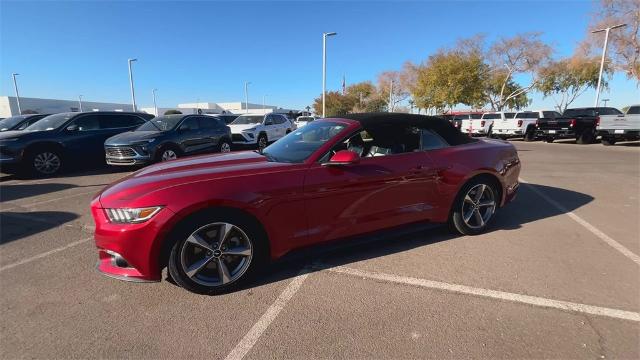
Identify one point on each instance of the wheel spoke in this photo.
(468, 215)
(239, 251)
(468, 199)
(486, 203)
(479, 218)
(479, 192)
(197, 266)
(198, 240)
(223, 233)
(223, 272)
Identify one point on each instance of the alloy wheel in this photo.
(47, 163)
(216, 254)
(478, 206)
(225, 147)
(262, 142)
(169, 155)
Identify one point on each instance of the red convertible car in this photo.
(215, 220)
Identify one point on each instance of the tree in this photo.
(624, 43)
(392, 86)
(365, 97)
(564, 80)
(521, 54)
(172, 112)
(496, 84)
(336, 104)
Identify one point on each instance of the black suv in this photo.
(169, 137)
(20, 122)
(55, 141)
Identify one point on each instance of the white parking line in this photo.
(48, 201)
(45, 254)
(594, 230)
(463, 289)
(250, 339)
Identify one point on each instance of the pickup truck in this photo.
(523, 124)
(620, 127)
(578, 123)
(484, 125)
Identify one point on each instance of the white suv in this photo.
(256, 129)
(484, 125)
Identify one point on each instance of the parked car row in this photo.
(582, 124)
(46, 144)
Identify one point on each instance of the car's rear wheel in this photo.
(587, 136)
(214, 255)
(608, 141)
(224, 146)
(44, 162)
(549, 139)
(474, 207)
(530, 135)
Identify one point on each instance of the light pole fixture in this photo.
(604, 55)
(133, 93)
(155, 106)
(605, 102)
(15, 86)
(324, 68)
(80, 102)
(246, 96)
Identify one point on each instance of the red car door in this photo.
(377, 193)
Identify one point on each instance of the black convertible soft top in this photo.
(387, 120)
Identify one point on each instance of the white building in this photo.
(9, 106)
(219, 108)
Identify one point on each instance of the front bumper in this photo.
(126, 156)
(10, 155)
(556, 133)
(244, 138)
(129, 251)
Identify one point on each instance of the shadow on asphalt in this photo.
(71, 173)
(17, 225)
(528, 207)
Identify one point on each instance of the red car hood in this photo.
(184, 171)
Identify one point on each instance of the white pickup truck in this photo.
(484, 125)
(622, 127)
(523, 124)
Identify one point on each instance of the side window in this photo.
(429, 140)
(119, 121)
(190, 123)
(634, 110)
(209, 122)
(279, 119)
(382, 141)
(88, 123)
(268, 120)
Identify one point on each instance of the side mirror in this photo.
(343, 157)
(72, 127)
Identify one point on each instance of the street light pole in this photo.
(155, 106)
(246, 96)
(324, 68)
(80, 102)
(604, 55)
(133, 93)
(15, 86)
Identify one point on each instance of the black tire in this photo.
(461, 207)
(288, 131)
(34, 160)
(262, 141)
(224, 146)
(549, 140)
(490, 132)
(160, 154)
(587, 136)
(608, 141)
(258, 259)
(530, 134)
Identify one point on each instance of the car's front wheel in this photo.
(214, 255)
(168, 153)
(474, 207)
(44, 162)
(262, 141)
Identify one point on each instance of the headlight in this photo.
(144, 142)
(249, 130)
(131, 216)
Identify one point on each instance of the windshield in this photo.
(50, 122)
(8, 123)
(300, 144)
(579, 112)
(162, 123)
(247, 119)
(491, 116)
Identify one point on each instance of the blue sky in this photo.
(205, 50)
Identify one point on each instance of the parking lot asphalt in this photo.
(557, 276)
